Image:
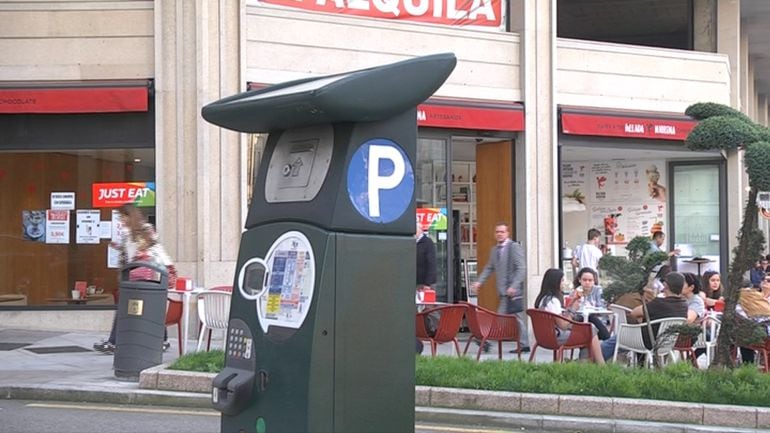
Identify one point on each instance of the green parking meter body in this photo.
(322, 321)
(141, 321)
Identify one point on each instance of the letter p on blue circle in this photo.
(380, 180)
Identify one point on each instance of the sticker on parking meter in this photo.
(290, 283)
(380, 180)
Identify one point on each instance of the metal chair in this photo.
(630, 338)
(213, 312)
(450, 319)
(486, 325)
(544, 327)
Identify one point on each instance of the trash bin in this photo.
(141, 320)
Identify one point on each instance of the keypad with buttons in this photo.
(239, 344)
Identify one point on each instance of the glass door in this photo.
(699, 224)
(432, 191)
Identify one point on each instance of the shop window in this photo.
(42, 257)
(696, 210)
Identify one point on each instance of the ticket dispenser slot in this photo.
(327, 254)
(233, 388)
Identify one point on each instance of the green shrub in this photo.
(721, 132)
(676, 382)
(757, 160)
(704, 110)
(206, 362)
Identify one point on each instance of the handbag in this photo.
(515, 305)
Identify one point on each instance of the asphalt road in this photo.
(18, 416)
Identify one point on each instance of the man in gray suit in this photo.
(506, 260)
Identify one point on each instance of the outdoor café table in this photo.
(78, 301)
(187, 297)
(587, 311)
(421, 305)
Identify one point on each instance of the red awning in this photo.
(75, 98)
(471, 114)
(626, 124)
(475, 114)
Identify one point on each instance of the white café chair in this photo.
(629, 337)
(213, 312)
(619, 313)
(708, 337)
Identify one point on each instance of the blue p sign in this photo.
(380, 180)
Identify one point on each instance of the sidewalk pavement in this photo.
(74, 372)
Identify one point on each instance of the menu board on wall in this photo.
(624, 198)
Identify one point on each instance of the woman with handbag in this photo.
(138, 241)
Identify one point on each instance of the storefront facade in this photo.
(191, 53)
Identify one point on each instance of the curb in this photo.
(605, 408)
(100, 395)
(566, 424)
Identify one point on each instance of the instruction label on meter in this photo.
(290, 284)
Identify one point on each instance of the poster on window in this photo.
(622, 181)
(87, 228)
(33, 225)
(57, 226)
(574, 186)
(623, 198)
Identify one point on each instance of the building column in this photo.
(536, 158)
(705, 25)
(199, 165)
(729, 43)
(762, 109)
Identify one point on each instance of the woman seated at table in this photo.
(691, 292)
(754, 305)
(711, 288)
(585, 296)
(551, 299)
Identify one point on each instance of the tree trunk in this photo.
(746, 253)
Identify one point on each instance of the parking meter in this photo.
(321, 332)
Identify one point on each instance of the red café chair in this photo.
(763, 351)
(174, 317)
(544, 327)
(450, 319)
(486, 325)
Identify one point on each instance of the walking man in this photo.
(506, 260)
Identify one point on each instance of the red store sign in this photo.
(486, 116)
(626, 125)
(487, 13)
(74, 100)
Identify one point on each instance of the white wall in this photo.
(285, 44)
(76, 40)
(596, 74)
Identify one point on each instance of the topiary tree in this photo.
(631, 274)
(722, 127)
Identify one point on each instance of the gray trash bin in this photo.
(141, 321)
